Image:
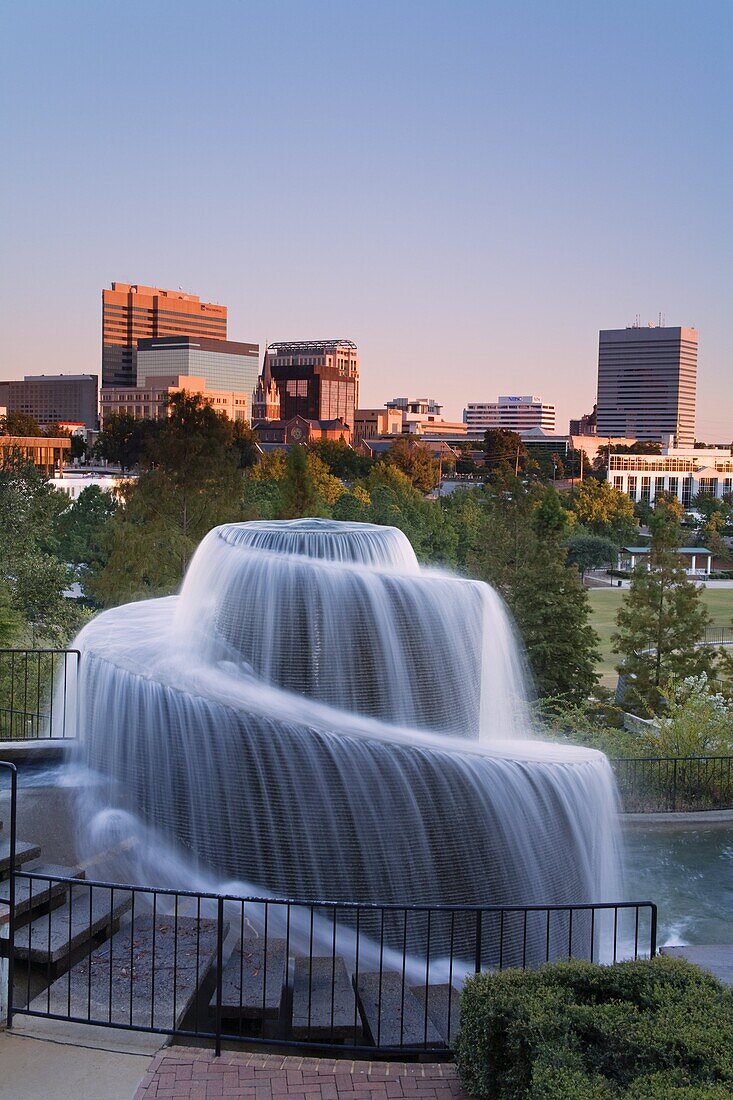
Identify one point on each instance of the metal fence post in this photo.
(653, 933)
(7, 925)
(479, 923)
(219, 967)
(674, 784)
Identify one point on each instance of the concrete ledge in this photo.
(705, 818)
(43, 750)
(717, 959)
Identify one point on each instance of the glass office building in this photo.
(223, 364)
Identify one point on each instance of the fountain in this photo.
(317, 716)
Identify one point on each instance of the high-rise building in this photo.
(223, 364)
(316, 379)
(54, 398)
(647, 383)
(132, 312)
(516, 414)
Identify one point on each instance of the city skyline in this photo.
(471, 232)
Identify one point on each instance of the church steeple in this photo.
(266, 398)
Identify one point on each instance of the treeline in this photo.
(196, 469)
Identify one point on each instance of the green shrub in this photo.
(657, 1029)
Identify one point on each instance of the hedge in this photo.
(657, 1029)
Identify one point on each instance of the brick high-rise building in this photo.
(647, 384)
(132, 312)
(316, 379)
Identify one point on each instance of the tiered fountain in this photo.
(318, 717)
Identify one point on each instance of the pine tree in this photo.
(298, 494)
(661, 620)
(520, 550)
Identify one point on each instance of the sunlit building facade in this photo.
(132, 312)
(682, 472)
(316, 379)
(647, 384)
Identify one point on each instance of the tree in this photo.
(590, 551)
(245, 440)
(520, 550)
(190, 482)
(661, 620)
(19, 424)
(604, 511)
(123, 439)
(32, 578)
(710, 535)
(341, 459)
(415, 461)
(505, 454)
(298, 493)
(82, 527)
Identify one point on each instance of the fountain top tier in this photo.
(343, 613)
(326, 540)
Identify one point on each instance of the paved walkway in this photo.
(181, 1073)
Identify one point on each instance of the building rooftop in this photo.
(311, 345)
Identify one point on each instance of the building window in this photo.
(632, 488)
(686, 491)
(674, 487)
(659, 486)
(618, 482)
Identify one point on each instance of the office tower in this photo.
(54, 398)
(132, 312)
(516, 414)
(316, 379)
(223, 364)
(647, 383)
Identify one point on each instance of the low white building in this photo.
(515, 413)
(681, 471)
(74, 483)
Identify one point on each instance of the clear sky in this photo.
(469, 190)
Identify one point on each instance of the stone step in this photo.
(88, 912)
(392, 1014)
(324, 1003)
(32, 894)
(439, 1006)
(246, 993)
(147, 975)
(24, 853)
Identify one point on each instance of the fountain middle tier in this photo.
(342, 613)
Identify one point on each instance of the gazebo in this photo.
(699, 565)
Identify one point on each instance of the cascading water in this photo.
(317, 716)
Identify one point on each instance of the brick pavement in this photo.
(181, 1073)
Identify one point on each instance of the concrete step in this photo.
(445, 1013)
(33, 894)
(53, 939)
(147, 975)
(324, 1003)
(253, 980)
(24, 853)
(392, 1014)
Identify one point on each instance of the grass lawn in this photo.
(605, 603)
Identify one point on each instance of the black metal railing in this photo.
(718, 635)
(674, 784)
(319, 975)
(36, 693)
(7, 901)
